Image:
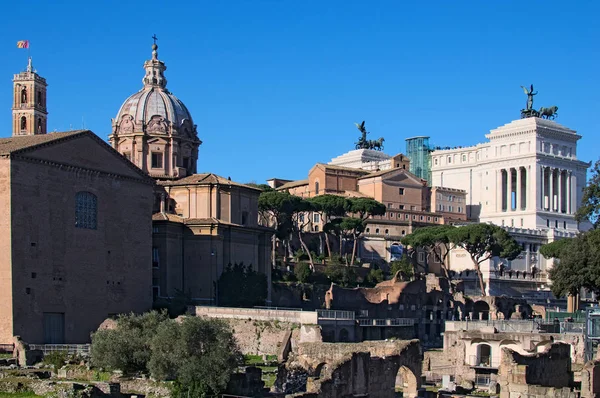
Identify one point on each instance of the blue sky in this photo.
(276, 86)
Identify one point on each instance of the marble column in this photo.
(559, 182)
(509, 189)
(551, 189)
(543, 187)
(499, 191)
(573, 193)
(518, 191)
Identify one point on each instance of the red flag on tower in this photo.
(23, 44)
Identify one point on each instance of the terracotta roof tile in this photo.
(18, 143)
(205, 178)
(293, 184)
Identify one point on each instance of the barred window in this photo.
(86, 210)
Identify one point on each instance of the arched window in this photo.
(316, 187)
(39, 98)
(86, 210)
(24, 96)
(23, 123)
(39, 125)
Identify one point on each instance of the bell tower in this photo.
(29, 103)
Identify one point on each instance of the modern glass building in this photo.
(418, 150)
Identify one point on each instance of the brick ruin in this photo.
(373, 369)
(545, 374)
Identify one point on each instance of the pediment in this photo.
(157, 140)
(402, 176)
(87, 151)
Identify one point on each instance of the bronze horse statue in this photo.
(548, 113)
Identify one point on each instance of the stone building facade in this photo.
(526, 176)
(204, 223)
(75, 237)
(201, 221)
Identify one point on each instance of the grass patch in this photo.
(5, 355)
(258, 359)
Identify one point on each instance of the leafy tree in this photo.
(364, 208)
(590, 206)
(484, 241)
(330, 206)
(300, 209)
(199, 354)
(262, 187)
(176, 305)
(341, 275)
(555, 249)
(353, 227)
(435, 241)
(276, 209)
(241, 286)
(303, 272)
(374, 277)
(578, 264)
(404, 266)
(127, 347)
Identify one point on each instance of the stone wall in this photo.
(257, 314)
(352, 369)
(545, 374)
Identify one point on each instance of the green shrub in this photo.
(341, 275)
(374, 277)
(56, 359)
(241, 286)
(127, 347)
(303, 272)
(404, 266)
(199, 354)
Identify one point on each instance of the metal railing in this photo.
(335, 314)
(482, 380)
(517, 325)
(264, 307)
(71, 349)
(387, 322)
(484, 361)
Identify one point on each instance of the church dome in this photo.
(154, 104)
(154, 109)
(154, 129)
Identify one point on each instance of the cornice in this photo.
(87, 170)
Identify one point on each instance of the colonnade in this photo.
(513, 189)
(557, 190)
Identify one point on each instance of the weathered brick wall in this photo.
(542, 374)
(262, 337)
(358, 369)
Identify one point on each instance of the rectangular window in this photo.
(157, 160)
(316, 217)
(316, 228)
(413, 207)
(155, 258)
(390, 206)
(421, 257)
(301, 217)
(401, 207)
(401, 191)
(450, 208)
